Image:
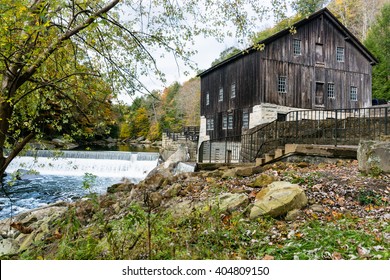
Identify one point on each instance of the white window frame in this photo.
(209, 124)
(245, 119)
(340, 54)
(233, 90)
(224, 122)
(220, 94)
(230, 121)
(282, 84)
(353, 93)
(331, 91)
(297, 47)
(207, 98)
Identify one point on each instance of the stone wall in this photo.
(170, 145)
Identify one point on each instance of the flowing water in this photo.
(47, 177)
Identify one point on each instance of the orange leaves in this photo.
(337, 256)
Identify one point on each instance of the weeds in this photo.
(143, 233)
(370, 197)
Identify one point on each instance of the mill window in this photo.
(297, 47)
(282, 84)
(353, 94)
(340, 53)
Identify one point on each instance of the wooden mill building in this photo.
(317, 64)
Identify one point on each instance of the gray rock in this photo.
(232, 201)
(317, 208)
(155, 199)
(173, 190)
(374, 156)
(293, 215)
(181, 155)
(262, 180)
(229, 173)
(8, 247)
(278, 199)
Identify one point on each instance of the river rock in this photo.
(120, 187)
(293, 215)
(374, 156)
(232, 201)
(172, 190)
(262, 180)
(248, 171)
(229, 173)
(155, 199)
(277, 199)
(8, 247)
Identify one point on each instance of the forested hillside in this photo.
(148, 116)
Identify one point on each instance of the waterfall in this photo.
(61, 175)
(77, 163)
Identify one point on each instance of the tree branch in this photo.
(64, 37)
(16, 150)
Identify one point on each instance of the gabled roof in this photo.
(348, 35)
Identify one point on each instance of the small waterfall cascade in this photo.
(59, 176)
(77, 163)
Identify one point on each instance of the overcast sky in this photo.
(208, 50)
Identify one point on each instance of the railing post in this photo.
(250, 148)
(296, 125)
(386, 120)
(225, 149)
(335, 129)
(210, 151)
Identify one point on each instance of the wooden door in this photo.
(319, 94)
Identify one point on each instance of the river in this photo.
(48, 177)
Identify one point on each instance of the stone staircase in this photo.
(307, 150)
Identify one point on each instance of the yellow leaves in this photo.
(259, 47)
(293, 30)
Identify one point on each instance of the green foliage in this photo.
(214, 234)
(378, 42)
(178, 105)
(281, 25)
(225, 54)
(307, 7)
(61, 64)
(88, 181)
(370, 197)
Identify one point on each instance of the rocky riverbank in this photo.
(286, 195)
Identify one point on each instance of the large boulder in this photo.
(278, 199)
(374, 156)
